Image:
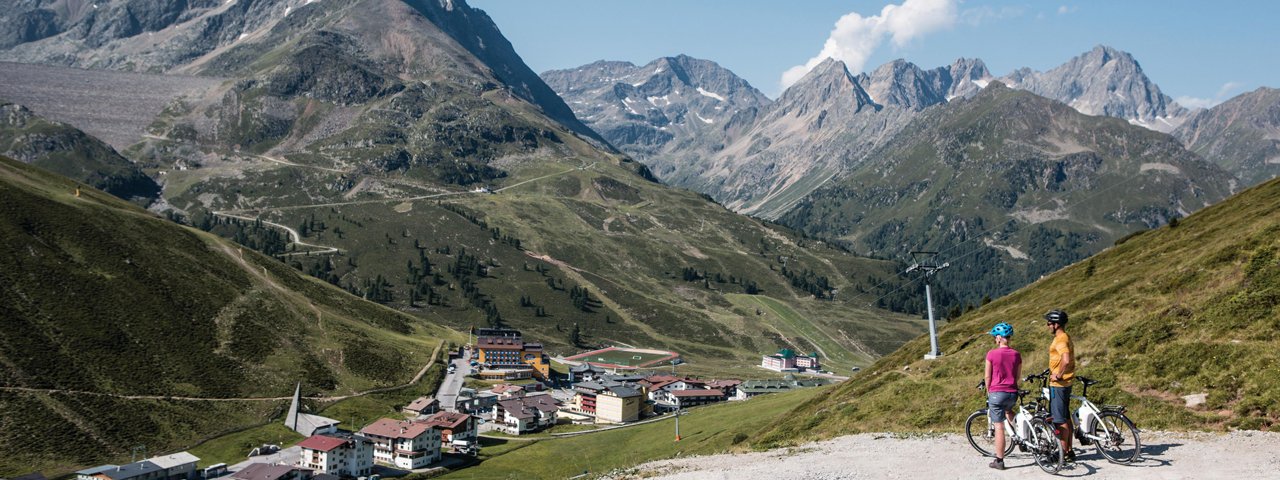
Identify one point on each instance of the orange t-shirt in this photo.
(1062, 344)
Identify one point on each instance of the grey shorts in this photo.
(998, 403)
(1059, 404)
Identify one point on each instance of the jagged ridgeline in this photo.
(100, 296)
(1189, 308)
(1010, 186)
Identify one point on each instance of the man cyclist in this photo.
(1062, 371)
(1003, 365)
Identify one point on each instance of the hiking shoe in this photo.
(997, 464)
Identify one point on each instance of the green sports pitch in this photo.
(619, 357)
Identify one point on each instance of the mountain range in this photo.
(401, 153)
(823, 138)
(368, 145)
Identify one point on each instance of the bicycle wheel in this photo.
(1117, 437)
(982, 434)
(1045, 447)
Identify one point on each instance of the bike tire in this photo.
(1045, 447)
(1117, 438)
(980, 437)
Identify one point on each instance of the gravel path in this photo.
(1235, 455)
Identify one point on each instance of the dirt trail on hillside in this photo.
(1166, 455)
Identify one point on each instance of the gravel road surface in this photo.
(1235, 455)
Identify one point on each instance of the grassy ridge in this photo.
(101, 296)
(1181, 310)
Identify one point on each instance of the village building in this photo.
(787, 360)
(402, 443)
(422, 406)
(690, 398)
(525, 414)
(619, 404)
(305, 423)
(453, 427)
(263, 471)
(729, 387)
(585, 372)
(342, 454)
(506, 353)
(177, 466)
(752, 388)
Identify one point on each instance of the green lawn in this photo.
(235, 447)
(705, 430)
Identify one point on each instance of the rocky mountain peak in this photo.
(1105, 81)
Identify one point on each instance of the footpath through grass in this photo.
(705, 430)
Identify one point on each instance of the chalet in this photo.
(689, 398)
(453, 426)
(422, 406)
(729, 387)
(343, 454)
(585, 372)
(263, 471)
(403, 444)
(525, 414)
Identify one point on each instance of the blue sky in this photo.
(1198, 52)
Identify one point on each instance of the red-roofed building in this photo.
(453, 426)
(341, 454)
(689, 398)
(404, 444)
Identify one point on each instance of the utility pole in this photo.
(677, 423)
(925, 263)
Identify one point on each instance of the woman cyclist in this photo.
(1003, 365)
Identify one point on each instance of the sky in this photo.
(1199, 53)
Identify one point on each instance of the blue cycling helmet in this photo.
(1002, 329)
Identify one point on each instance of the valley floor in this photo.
(1240, 454)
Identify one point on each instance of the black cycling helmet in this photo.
(1056, 316)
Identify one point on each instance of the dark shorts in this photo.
(998, 403)
(1059, 404)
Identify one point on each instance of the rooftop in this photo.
(174, 460)
(698, 393)
(262, 471)
(389, 428)
(449, 420)
(422, 403)
(321, 443)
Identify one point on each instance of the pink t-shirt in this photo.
(1005, 364)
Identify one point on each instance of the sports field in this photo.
(618, 357)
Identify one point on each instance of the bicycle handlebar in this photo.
(1038, 376)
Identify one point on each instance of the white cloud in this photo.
(1063, 10)
(979, 15)
(855, 37)
(1223, 94)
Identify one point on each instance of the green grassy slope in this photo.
(68, 151)
(101, 296)
(373, 152)
(1175, 311)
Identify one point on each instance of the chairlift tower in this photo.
(926, 265)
